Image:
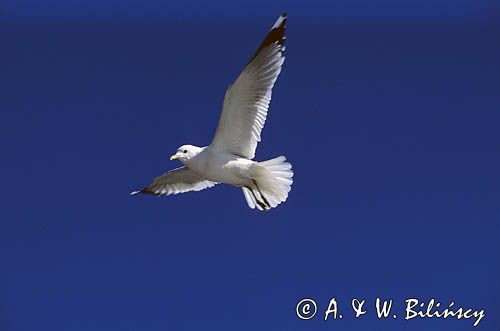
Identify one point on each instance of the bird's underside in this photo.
(246, 102)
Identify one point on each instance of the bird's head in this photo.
(185, 152)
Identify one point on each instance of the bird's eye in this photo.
(185, 151)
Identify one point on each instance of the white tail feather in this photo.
(273, 180)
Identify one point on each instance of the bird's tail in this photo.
(272, 180)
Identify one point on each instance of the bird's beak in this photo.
(173, 157)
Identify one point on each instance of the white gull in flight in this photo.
(228, 159)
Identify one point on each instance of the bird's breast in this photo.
(222, 168)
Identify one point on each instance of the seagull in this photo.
(229, 157)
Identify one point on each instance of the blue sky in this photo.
(387, 110)
(317, 10)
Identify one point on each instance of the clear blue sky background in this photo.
(389, 111)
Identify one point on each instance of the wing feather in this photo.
(247, 100)
(175, 181)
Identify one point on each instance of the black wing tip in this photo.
(283, 17)
(277, 33)
(145, 191)
(137, 192)
(275, 36)
(280, 22)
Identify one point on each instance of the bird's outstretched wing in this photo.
(247, 99)
(175, 181)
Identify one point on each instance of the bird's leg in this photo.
(260, 203)
(260, 192)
